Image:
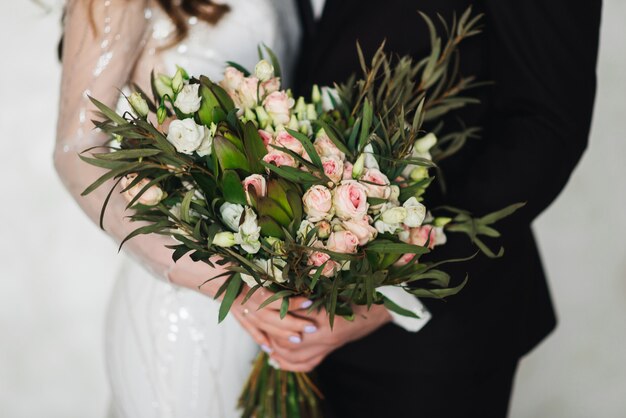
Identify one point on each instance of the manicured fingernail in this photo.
(306, 304)
(295, 339)
(266, 348)
(310, 329)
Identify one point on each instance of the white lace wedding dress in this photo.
(166, 354)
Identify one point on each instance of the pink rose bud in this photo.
(150, 197)
(376, 183)
(404, 260)
(270, 86)
(420, 235)
(323, 229)
(266, 137)
(285, 140)
(258, 183)
(326, 148)
(333, 168)
(347, 170)
(342, 242)
(318, 203)
(232, 79)
(278, 105)
(350, 200)
(318, 258)
(279, 158)
(361, 228)
(248, 92)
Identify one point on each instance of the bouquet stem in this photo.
(272, 393)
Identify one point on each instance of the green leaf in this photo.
(269, 207)
(232, 189)
(367, 123)
(393, 307)
(239, 67)
(438, 293)
(284, 308)
(207, 105)
(130, 154)
(270, 228)
(185, 205)
(500, 214)
(232, 291)
(334, 294)
(275, 297)
(276, 192)
(254, 147)
(293, 174)
(308, 147)
(275, 61)
(388, 247)
(335, 137)
(128, 168)
(108, 112)
(144, 230)
(229, 156)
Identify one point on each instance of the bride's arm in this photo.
(102, 41)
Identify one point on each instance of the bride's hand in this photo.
(265, 325)
(305, 356)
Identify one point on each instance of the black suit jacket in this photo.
(541, 58)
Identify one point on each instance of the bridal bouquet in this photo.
(322, 198)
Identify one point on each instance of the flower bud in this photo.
(419, 173)
(359, 165)
(311, 114)
(177, 81)
(264, 70)
(300, 108)
(441, 222)
(250, 116)
(224, 239)
(161, 114)
(262, 117)
(293, 123)
(424, 144)
(323, 229)
(139, 104)
(163, 86)
(316, 95)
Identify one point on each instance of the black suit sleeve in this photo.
(542, 59)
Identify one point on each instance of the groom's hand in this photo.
(314, 347)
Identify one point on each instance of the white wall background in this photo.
(57, 269)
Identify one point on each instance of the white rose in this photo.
(206, 147)
(186, 135)
(390, 218)
(249, 233)
(394, 215)
(231, 215)
(416, 212)
(188, 100)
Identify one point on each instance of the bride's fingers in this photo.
(290, 322)
(257, 335)
(276, 332)
(296, 354)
